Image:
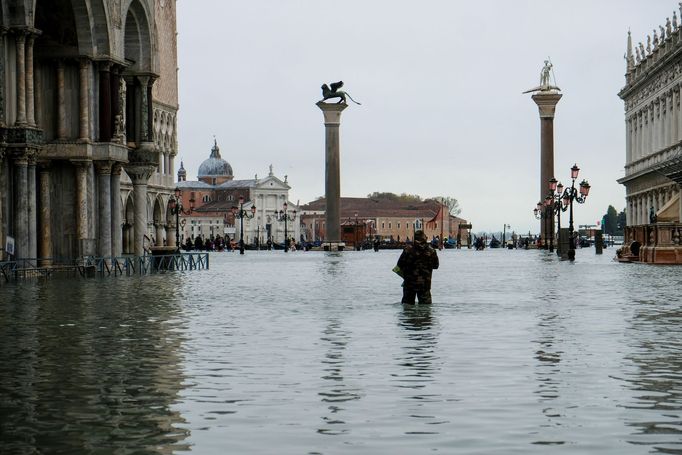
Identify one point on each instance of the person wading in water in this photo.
(415, 266)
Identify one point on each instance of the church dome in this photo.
(215, 166)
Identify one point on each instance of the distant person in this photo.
(415, 266)
(377, 242)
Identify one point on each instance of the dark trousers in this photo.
(409, 294)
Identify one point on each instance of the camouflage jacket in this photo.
(416, 264)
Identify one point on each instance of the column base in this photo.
(333, 246)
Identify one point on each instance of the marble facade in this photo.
(88, 105)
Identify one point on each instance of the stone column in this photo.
(332, 121)
(116, 212)
(628, 140)
(38, 95)
(105, 119)
(82, 170)
(546, 101)
(104, 196)
(2, 83)
(84, 110)
(21, 216)
(160, 230)
(45, 222)
(170, 231)
(61, 102)
(32, 207)
(140, 175)
(675, 117)
(30, 96)
(21, 79)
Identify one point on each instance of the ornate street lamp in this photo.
(240, 213)
(562, 200)
(282, 215)
(177, 209)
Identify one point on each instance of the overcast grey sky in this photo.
(440, 84)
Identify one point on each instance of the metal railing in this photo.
(91, 266)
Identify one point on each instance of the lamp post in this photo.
(504, 234)
(176, 209)
(240, 213)
(355, 233)
(580, 196)
(282, 215)
(543, 211)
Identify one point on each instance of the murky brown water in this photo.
(313, 353)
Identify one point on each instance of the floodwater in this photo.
(312, 353)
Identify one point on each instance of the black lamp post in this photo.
(543, 211)
(282, 215)
(240, 213)
(580, 196)
(176, 209)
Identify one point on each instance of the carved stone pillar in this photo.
(82, 171)
(21, 79)
(30, 95)
(105, 105)
(45, 251)
(170, 232)
(117, 114)
(3, 31)
(104, 196)
(160, 230)
(145, 125)
(140, 175)
(116, 212)
(21, 205)
(32, 207)
(61, 102)
(84, 111)
(628, 140)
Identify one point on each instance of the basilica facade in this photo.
(88, 106)
(653, 157)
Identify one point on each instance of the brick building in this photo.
(363, 218)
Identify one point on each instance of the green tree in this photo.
(610, 221)
(451, 203)
(620, 227)
(403, 197)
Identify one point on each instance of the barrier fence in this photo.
(91, 266)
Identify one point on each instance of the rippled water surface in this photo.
(312, 353)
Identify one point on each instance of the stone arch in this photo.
(61, 21)
(137, 41)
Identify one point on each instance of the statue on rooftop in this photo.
(334, 92)
(648, 44)
(638, 58)
(674, 20)
(663, 35)
(655, 40)
(668, 27)
(641, 50)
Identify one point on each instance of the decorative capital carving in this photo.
(103, 167)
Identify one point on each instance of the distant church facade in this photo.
(88, 105)
(208, 203)
(653, 156)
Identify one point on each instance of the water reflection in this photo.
(656, 381)
(336, 391)
(419, 353)
(81, 373)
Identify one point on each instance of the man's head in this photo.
(419, 236)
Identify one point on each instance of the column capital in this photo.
(331, 112)
(44, 165)
(116, 168)
(105, 65)
(84, 61)
(81, 164)
(104, 167)
(546, 103)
